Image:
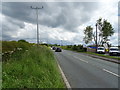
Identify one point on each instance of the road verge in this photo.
(103, 58)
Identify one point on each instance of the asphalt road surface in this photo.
(86, 72)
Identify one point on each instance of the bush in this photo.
(11, 47)
(78, 48)
(22, 40)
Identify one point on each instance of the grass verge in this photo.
(35, 68)
(102, 55)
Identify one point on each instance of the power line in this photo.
(36, 8)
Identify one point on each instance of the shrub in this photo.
(11, 47)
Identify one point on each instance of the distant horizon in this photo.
(62, 44)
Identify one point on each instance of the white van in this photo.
(101, 50)
(114, 51)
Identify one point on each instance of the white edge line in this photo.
(81, 59)
(63, 76)
(111, 72)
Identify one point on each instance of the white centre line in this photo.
(81, 59)
(111, 72)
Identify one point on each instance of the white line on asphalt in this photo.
(63, 76)
(81, 59)
(65, 79)
(111, 72)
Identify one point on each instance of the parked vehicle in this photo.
(101, 50)
(58, 50)
(114, 51)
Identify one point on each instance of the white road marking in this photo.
(99, 67)
(63, 76)
(81, 59)
(111, 72)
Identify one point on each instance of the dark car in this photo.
(58, 50)
(54, 48)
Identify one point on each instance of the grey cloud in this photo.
(67, 15)
(6, 37)
(10, 28)
(16, 22)
(15, 10)
(119, 8)
(70, 15)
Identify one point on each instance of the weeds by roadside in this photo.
(34, 68)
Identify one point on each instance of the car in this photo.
(101, 50)
(114, 51)
(54, 48)
(58, 50)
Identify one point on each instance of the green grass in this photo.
(35, 68)
(102, 55)
(0, 75)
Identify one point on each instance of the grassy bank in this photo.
(102, 55)
(34, 68)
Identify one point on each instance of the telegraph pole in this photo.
(61, 42)
(37, 8)
(96, 37)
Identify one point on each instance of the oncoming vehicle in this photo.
(114, 51)
(101, 50)
(58, 50)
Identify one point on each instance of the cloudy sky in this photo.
(58, 21)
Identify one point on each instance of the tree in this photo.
(105, 30)
(22, 40)
(88, 31)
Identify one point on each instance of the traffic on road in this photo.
(56, 49)
(83, 71)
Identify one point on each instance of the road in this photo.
(86, 72)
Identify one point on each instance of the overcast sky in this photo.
(57, 20)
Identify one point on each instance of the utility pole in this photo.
(36, 8)
(61, 42)
(96, 37)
